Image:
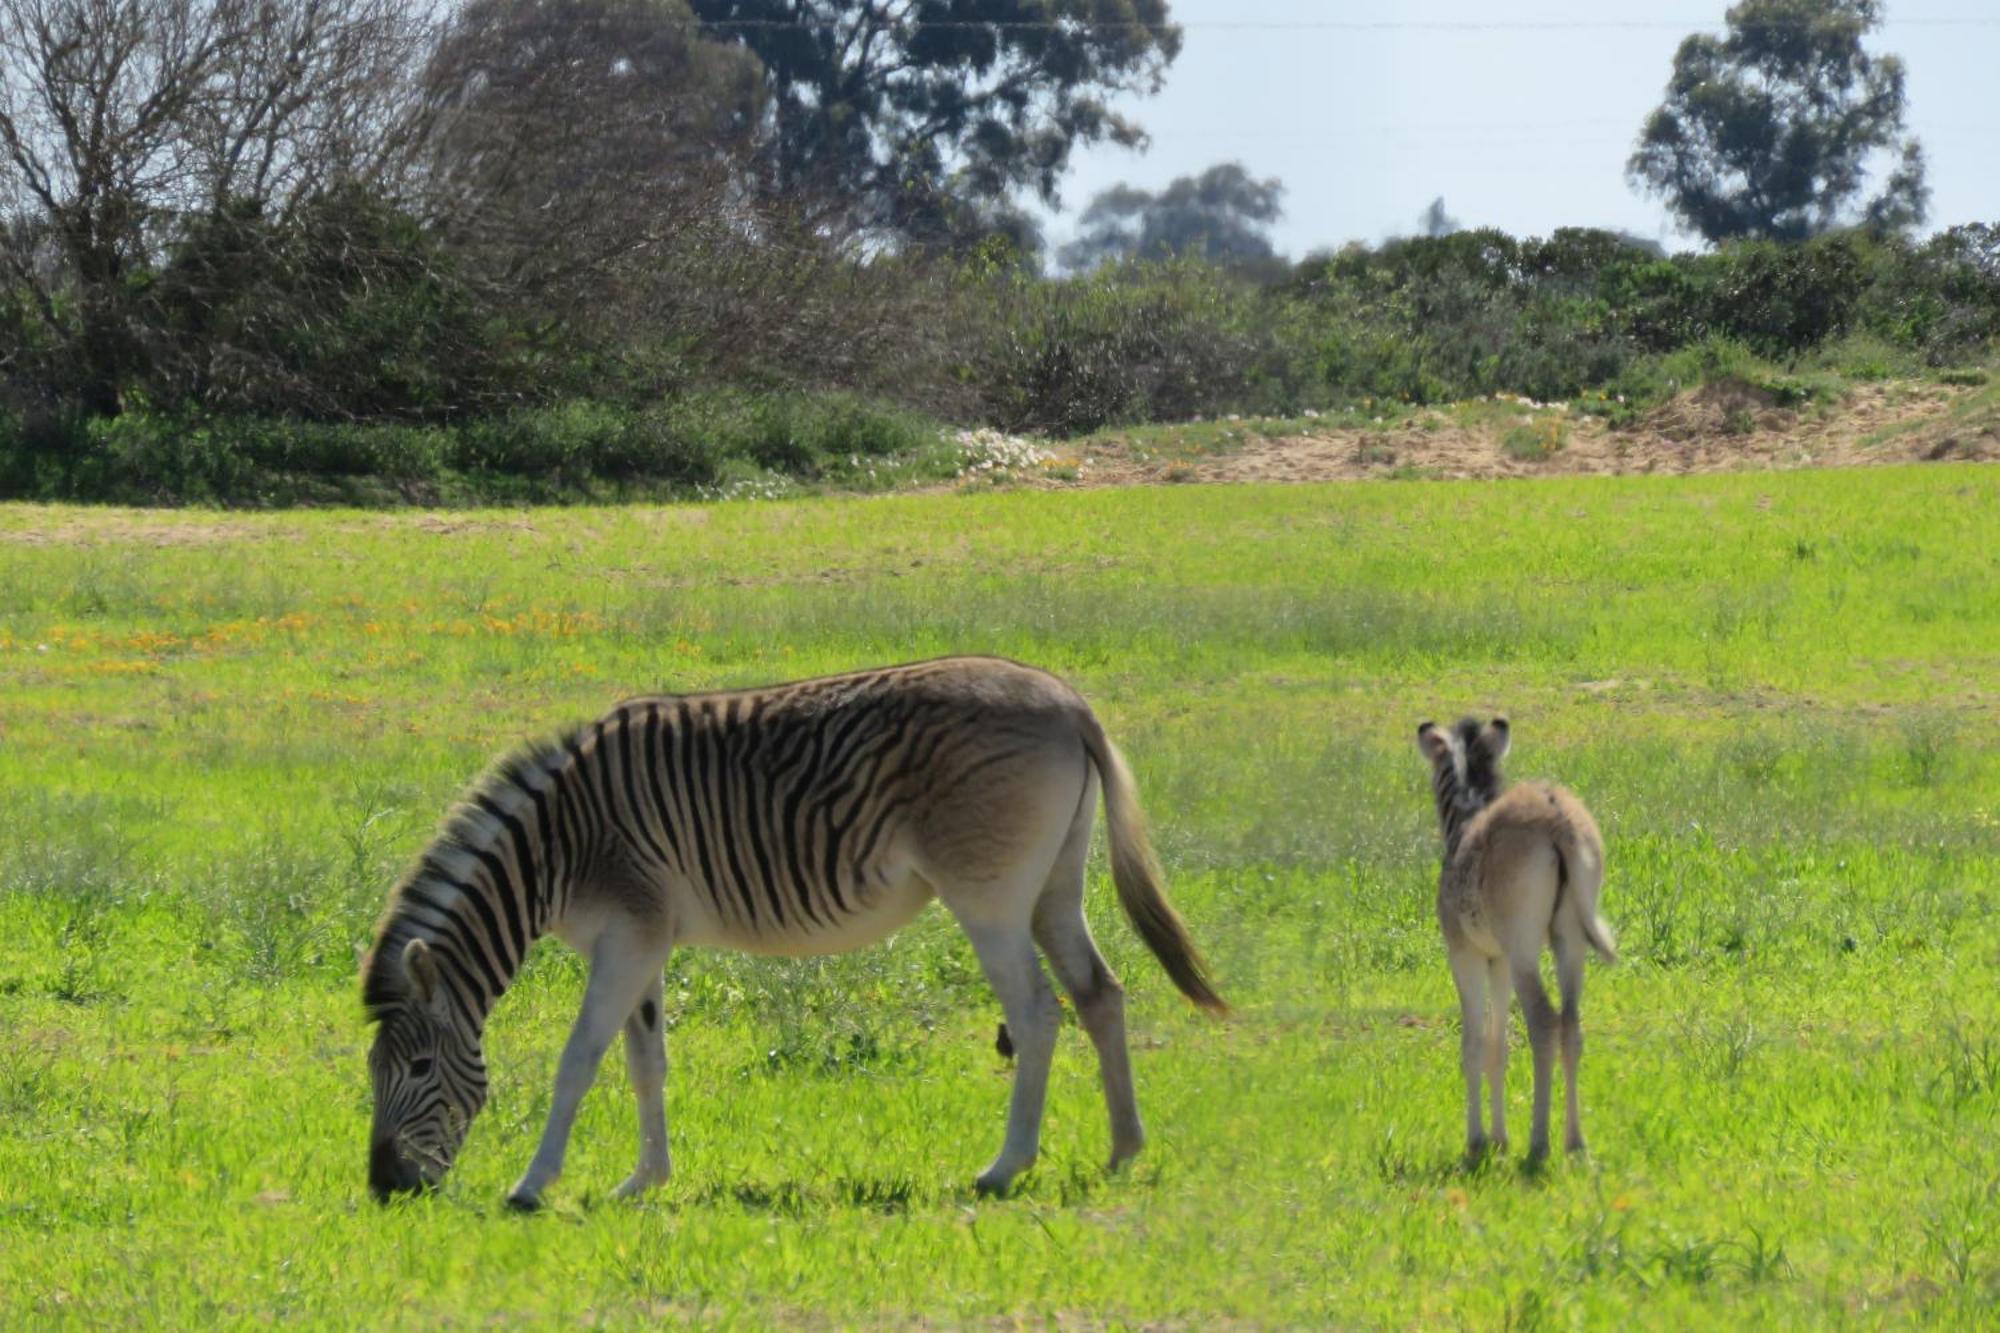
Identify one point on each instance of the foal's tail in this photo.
(1137, 873)
(1581, 867)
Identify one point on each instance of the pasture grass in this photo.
(221, 736)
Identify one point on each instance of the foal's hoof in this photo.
(1004, 1043)
(521, 1202)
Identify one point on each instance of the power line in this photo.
(841, 27)
(1318, 25)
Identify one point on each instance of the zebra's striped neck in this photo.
(1457, 803)
(496, 877)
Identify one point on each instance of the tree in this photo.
(896, 114)
(1770, 131)
(1434, 221)
(566, 137)
(119, 118)
(1221, 215)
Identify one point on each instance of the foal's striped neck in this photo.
(1456, 802)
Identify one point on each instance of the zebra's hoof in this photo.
(1004, 1043)
(995, 1181)
(638, 1183)
(522, 1202)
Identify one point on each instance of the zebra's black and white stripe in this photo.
(804, 818)
(1465, 771)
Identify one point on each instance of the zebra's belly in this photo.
(872, 915)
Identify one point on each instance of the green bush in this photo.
(571, 450)
(1128, 343)
(339, 354)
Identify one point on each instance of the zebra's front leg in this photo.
(646, 1063)
(619, 976)
(1007, 955)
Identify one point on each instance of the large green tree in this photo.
(1220, 215)
(1772, 129)
(915, 118)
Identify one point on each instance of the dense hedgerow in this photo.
(272, 365)
(575, 450)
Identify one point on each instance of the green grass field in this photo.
(222, 736)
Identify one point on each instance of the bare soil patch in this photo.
(48, 526)
(1716, 428)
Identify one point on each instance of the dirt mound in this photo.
(1721, 409)
(1722, 426)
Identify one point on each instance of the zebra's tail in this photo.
(1583, 869)
(1137, 874)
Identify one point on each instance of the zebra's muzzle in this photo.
(390, 1173)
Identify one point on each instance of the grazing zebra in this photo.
(1521, 867)
(808, 818)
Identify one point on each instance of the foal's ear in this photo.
(1496, 737)
(1432, 743)
(421, 968)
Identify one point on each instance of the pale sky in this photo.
(1369, 109)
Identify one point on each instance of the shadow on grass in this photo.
(795, 1198)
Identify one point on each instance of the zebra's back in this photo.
(819, 815)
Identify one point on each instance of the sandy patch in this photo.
(1718, 428)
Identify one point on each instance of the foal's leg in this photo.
(1541, 1018)
(1064, 935)
(620, 972)
(1468, 971)
(1569, 951)
(1499, 996)
(646, 1063)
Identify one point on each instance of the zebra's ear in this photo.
(421, 969)
(1432, 743)
(1497, 738)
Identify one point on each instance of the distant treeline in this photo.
(349, 350)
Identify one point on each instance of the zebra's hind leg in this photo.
(1542, 1026)
(1468, 973)
(1007, 955)
(1499, 1002)
(1567, 941)
(646, 1063)
(1064, 935)
(620, 972)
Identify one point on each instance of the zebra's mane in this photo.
(1474, 781)
(1482, 771)
(468, 829)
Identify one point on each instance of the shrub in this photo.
(1537, 441)
(569, 450)
(1130, 342)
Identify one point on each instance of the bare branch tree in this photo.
(118, 118)
(567, 142)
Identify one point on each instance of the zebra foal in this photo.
(808, 818)
(1522, 867)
